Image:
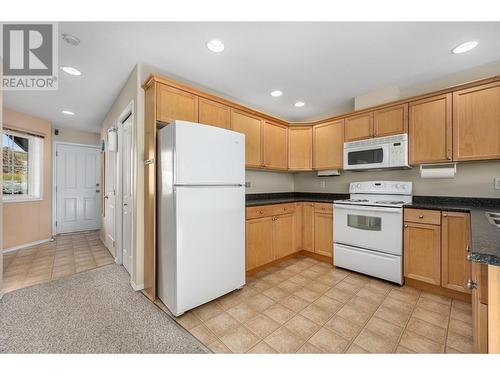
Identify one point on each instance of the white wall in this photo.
(474, 179)
(269, 182)
(76, 136)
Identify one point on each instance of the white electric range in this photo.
(368, 228)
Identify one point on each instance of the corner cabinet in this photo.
(328, 145)
(476, 123)
(300, 148)
(214, 113)
(430, 130)
(275, 146)
(251, 126)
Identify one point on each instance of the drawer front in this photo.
(422, 216)
(259, 211)
(281, 209)
(323, 207)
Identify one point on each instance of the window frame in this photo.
(35, 160)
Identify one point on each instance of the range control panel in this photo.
(381, 187)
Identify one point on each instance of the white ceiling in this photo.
(323, 64)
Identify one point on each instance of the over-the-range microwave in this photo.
(377, 153)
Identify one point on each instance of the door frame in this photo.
(54, 177)
(125, 114)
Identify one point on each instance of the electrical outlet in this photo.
(322, 184)
(248, 184)
(497, 183)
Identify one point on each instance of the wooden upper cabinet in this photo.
(300, 148)
(358, 127)
(476, 123)
(275, 146)
(422, 252)
(390, 120)
(430, 130)
(455, 245)
(174, 104)
(213, 113)
(251, 126)
(328, 145)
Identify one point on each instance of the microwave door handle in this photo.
(366, 208)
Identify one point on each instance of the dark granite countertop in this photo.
(485, 236)
(277, 198)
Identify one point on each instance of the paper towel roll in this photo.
(438, 170)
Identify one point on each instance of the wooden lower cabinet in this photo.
(323, 233)
(308, 227)
(259, 242)
(436, 245)
(455, 244)
(299, 214)
(480, 307)
(284, 232)
(422, 252)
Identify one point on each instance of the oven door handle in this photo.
(354, 207)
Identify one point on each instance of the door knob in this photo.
(106, 196)
(125, 204)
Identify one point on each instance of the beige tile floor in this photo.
(66, 255)
(305, 306)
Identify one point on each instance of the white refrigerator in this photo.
(201, 214)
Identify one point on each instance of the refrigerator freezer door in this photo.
(206, 155)
(210, 237)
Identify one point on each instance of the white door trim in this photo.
(54, 177)
(127, 112)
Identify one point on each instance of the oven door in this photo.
(369, 227)
(366, 157)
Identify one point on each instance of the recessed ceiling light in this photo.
(215, 45)
(276, 93)
(465, 47)
(299, 104)
(71, 39)
(66, 112)
(71, 71)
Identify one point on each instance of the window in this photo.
(22, 163)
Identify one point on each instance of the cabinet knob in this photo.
(406, 225)
(471, 284)
(445, 215)
(261, 212)
(420, 216)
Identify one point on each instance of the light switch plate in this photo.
(497, 183)
(248, 184)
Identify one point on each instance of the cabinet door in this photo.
(359, 127)
(455, 245)
(430, 130)
(275, 146)
(251, 126)
(390, 120)
(308, 227)
(213, 113)
(259, 242)
(300, 148)
(284, 227)
(476, 123)
(299, 208)
(480, 308)
(323, 233)
(173, 104)
(422, 252)
(328, 145)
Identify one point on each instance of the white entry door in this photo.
(125, 142)
(77, 188)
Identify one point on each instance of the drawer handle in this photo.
(261, 212)
(285, 209)
(420, 216)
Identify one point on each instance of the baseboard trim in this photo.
(438, 290)
(136, 287)
(18, 247)
(321, 258)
